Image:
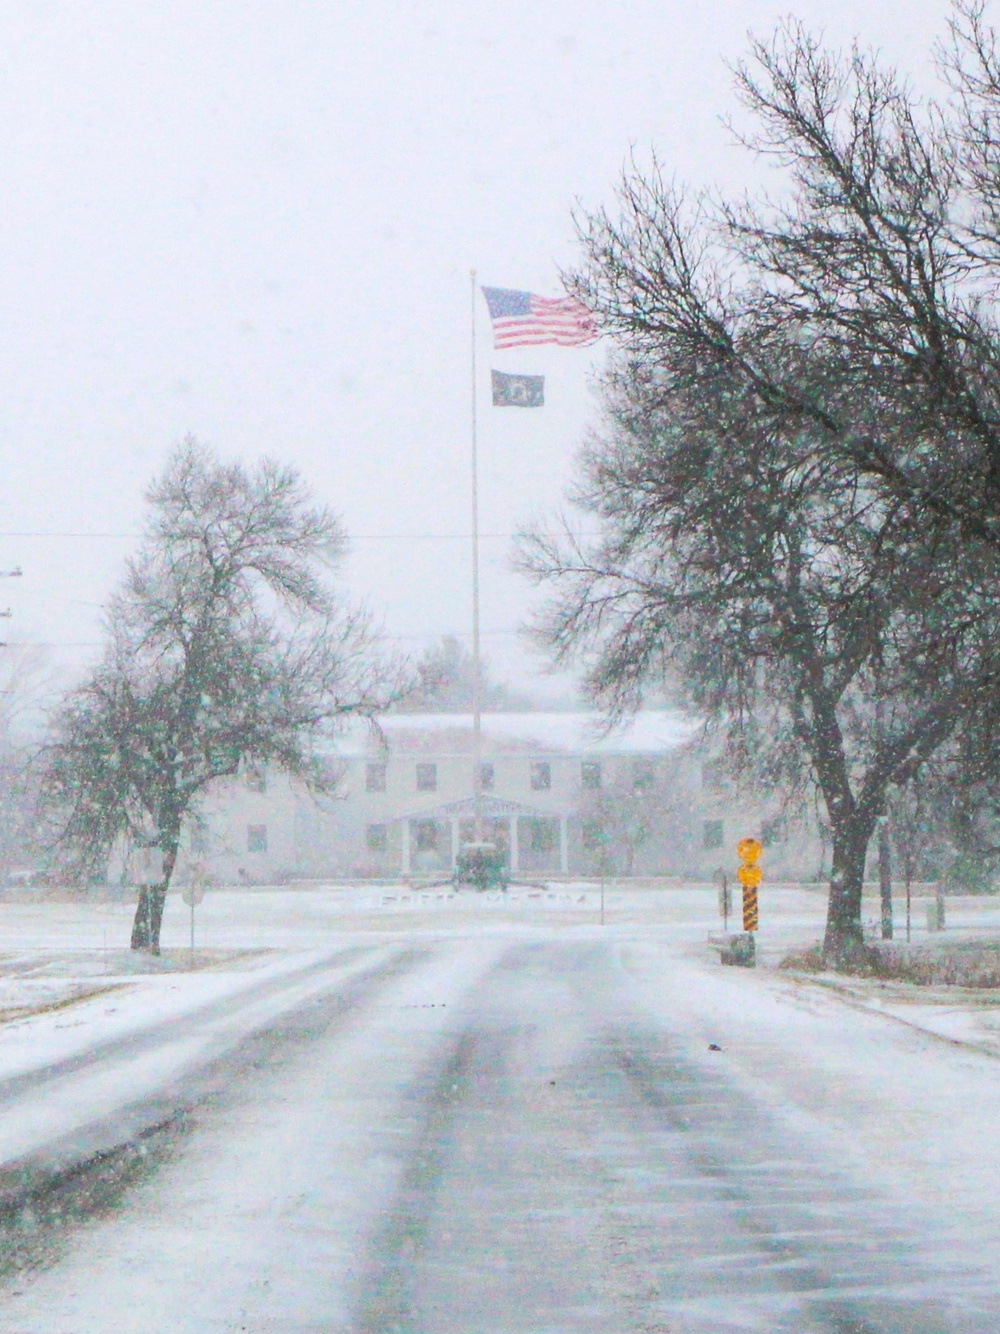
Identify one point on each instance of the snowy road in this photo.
(490, 1133)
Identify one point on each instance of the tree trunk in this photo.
(149, 909)
(908, 906)
(148, 916)
(844, 939)
(885, 879)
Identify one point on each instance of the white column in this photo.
(454, 843)
(404, 838)
(563, 846)
(515, 847)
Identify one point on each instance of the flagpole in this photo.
(477, 672)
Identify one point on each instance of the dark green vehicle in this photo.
(481, 865)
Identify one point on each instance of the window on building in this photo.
(255, 780)
(543, 835)
(643, 774)
(256, 838)
(773, 831)
(592, 835)
(486, 777)
(590, 775)
(425, 835)
(375, 778)
(427, 777)
(712, 834)
(377, 837)
(541, 775)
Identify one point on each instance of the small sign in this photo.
(193, 893)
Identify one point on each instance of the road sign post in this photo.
(192, 894)
(749, 875)
(603, 839)
(725, 897)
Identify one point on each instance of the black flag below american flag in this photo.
(518, 391)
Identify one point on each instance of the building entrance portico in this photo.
(504, 823)
(496, 829)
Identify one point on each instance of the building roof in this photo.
(650, 732)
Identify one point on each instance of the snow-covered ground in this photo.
(899, 1106)
(59, 958)
(67, 979)
(263, 1224)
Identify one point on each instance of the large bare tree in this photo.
(225, 647)
(802, 614)
(797, 481)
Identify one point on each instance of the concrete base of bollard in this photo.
(741, 952)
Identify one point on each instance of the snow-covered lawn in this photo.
(65, 965)
(68, 981)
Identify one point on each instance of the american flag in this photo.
(520, 318)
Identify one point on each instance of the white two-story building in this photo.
(559, 796)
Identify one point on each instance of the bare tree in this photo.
(786, 599)
(798, 479)
(27, 689)
(884, 261)
(445, 681)
(225, 647)
(619, 819)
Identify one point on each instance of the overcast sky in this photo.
(253, 221)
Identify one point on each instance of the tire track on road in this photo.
(134, 1044)
(260, 1223)
(86, 1175)
(571, 1171)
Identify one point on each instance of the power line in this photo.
(416, 637)
(56, 533)
(351, 537)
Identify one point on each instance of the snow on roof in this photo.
(649, 732)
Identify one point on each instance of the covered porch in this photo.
(532, 840)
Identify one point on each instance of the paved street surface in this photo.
(480, 1134)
